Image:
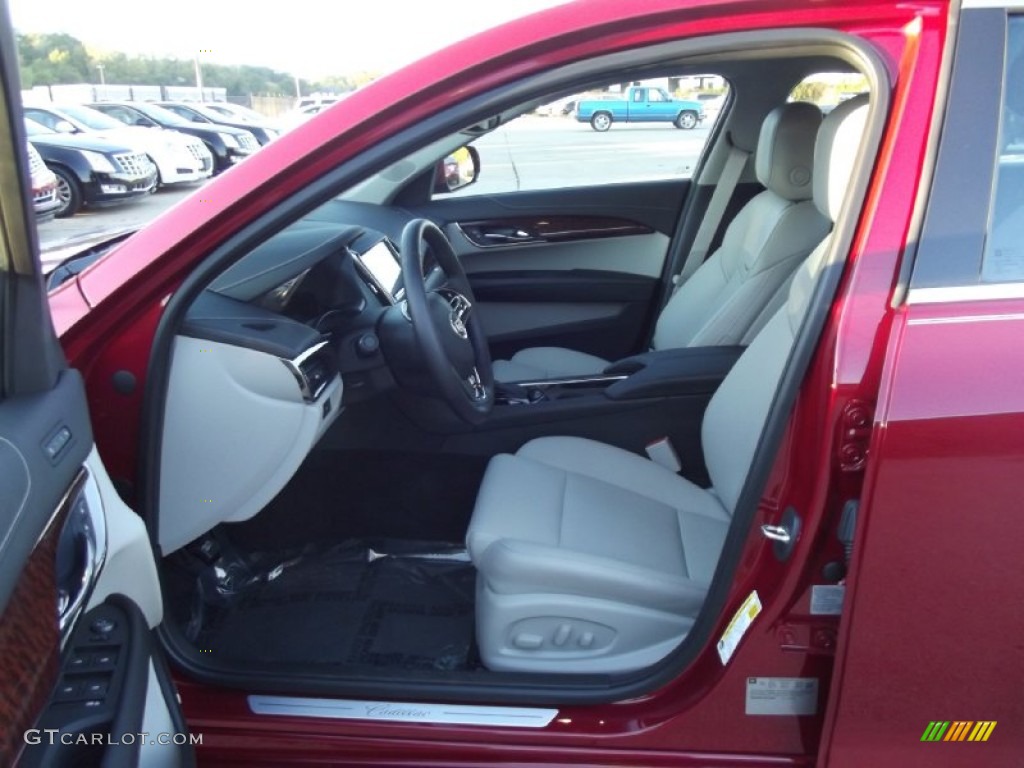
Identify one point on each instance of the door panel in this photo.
(577, 268)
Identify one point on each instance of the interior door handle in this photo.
(518, 236)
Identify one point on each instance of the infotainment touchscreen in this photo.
(382, 263)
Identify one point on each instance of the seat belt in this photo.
(727, 181)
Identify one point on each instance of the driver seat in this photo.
(593, 559)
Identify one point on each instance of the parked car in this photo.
(91, 172)
(227, 145)
(179, 158)
(300, 115)
(200, 113)
(559, 107)
(259, 488)
(44, 186)
(641, 105)
(713, 104)
(227, 109)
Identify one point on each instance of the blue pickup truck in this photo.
(641, 105)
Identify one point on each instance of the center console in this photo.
(665, 373)
(633, 402)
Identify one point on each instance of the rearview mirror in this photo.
(457, 170)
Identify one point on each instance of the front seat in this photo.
(762, 246)
(593, 559)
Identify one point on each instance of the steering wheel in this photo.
(445, 324)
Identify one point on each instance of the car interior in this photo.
(506, 445)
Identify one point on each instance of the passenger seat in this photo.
(723, 300)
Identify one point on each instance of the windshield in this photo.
(92, 119)
(160, 114)
(36, 129)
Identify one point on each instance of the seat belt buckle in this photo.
(661, 451)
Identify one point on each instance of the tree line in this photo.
(61, 59)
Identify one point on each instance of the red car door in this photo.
(930, 653)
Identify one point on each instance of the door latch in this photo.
(784, 534)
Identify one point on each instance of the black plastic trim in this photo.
(956, 222)
(573, 285)
(673, 372)
(217, 318)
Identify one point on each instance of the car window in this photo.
(827, 89)
(557, 147)
(43, 118)
(126, 116)
(1003, 257)
(97, 121)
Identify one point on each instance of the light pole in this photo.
(103, 80)
(298, 88)
(199, 77)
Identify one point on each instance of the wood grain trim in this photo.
(30, 637)
(548, 229)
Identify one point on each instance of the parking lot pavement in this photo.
(528, 153)
(92, 223)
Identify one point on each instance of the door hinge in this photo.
(856, 422)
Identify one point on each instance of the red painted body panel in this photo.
(107, 319)
(935, 623)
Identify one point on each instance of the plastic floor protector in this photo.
(402, 605)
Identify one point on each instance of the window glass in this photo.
(558, 145)
(1003, 258)
(827, 89)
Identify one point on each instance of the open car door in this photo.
(81, 680)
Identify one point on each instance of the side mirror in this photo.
(143, 122)
(459, 169)
(63, 126)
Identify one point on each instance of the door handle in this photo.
(517, 236)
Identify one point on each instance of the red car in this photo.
(709, 468)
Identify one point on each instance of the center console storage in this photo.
(664, 373)
(633, 402)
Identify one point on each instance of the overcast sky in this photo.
(309, 38)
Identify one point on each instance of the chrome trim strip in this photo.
(295, 366)
(568, 382)
(403, 712)
(84, 498)
(954, 293)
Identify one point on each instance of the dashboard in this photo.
(265, 360)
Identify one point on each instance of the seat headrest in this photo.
(834, 156)
(835, 153)
(785, 150)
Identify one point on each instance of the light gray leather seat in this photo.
(763, 244)
(594, 559)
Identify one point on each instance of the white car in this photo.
(179, 158)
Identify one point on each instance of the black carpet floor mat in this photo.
(397, 605)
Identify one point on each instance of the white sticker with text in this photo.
(738, 627)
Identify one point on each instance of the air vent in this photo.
(313, 370)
